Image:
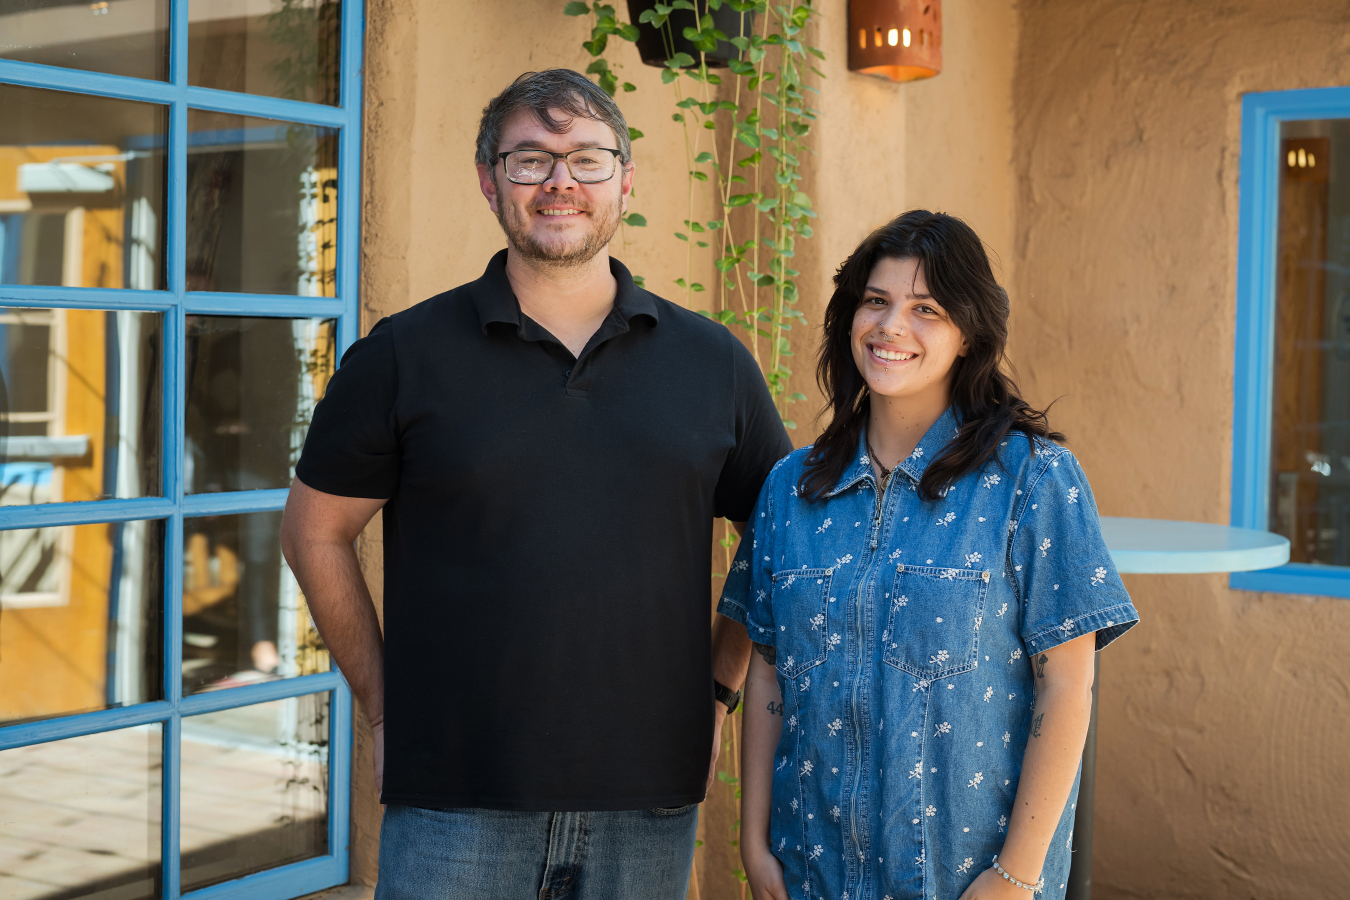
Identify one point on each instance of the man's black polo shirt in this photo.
(547, 541)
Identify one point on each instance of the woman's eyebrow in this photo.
(876, 290)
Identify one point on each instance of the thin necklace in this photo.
(885, 472)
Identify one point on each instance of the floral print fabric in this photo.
(905, 634)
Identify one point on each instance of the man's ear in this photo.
(626, 186)
(487, 183)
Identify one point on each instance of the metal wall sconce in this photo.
(896, 39)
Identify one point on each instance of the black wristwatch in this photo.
(727, 696)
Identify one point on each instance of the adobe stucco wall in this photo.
(1225, 716)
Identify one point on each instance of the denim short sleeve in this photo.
(1068, 583)
(746, 595)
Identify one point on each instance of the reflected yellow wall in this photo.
(54, 658)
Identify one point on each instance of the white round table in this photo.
(1167, 547)
(1161, 547)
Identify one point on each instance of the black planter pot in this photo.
(651, 43)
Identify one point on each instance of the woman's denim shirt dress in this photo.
(905, 633)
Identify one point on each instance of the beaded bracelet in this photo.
(1034, 888)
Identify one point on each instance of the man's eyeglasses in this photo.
(589, 165)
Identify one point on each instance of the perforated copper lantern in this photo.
(897, 39)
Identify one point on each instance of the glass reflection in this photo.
(277, 48)
(254, 788)
(261, 206)
(244, 618)
(120, 37)
(79, 618)
(252, 384)
(81, 190)
(81, 817)
(1310, 424)
(80, 407)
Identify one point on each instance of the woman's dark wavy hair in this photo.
(985, 398)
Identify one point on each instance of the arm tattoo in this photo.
(1040, 665)
(768, 653)
(1036, 726)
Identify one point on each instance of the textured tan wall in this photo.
(1225, 716)
(431, 65)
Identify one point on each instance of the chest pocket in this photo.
(933, 629)
(801, 600)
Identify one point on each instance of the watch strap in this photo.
(731, 699)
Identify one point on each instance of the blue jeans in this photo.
(485, 854)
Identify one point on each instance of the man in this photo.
(550, 445)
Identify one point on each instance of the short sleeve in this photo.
(1069, 584)
(746, 597)
(760, 441)
(352, 448)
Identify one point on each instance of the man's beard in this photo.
(521, 237)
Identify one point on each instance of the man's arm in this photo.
(318, 531)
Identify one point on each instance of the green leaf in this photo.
(629, 32)
(770, 133)
(598, 67)
(696, 286)
(680, 60)
(797, 396)
(764, 281)
(683, 237)
(714, 224)
(637, 220)
(680, 282)
(704, 157)
(788, 423)
(684, 4)
(633, 133)
(816, 52)
(739, 200)
(667, 76)
(576, 8)
(609, 83)
(737, 179)
(725, 264)
(648, 15)
(640, 281)
(749, 139)
(597, 46)
(694, 226)
(676, 117)
(713, 79)
(701, 176)
(703, 244)
(710, 125)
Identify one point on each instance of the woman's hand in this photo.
(991, 886)
(764, 873)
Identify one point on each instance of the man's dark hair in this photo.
(563, 90)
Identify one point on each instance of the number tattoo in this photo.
(767, 651)
(775, 709)
(1040, 665)
(1036, 726)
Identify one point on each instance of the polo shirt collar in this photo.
(496, 302)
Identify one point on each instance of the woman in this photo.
(926, 587)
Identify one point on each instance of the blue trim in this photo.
(85, 298)
(1254, 350)
(44, 515)
(288, 306)
(61, 728)
(176, 303)
(233, 698)
(280, 883)
(224, 504)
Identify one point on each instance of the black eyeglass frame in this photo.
(566, 162)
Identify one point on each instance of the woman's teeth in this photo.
(892, 355)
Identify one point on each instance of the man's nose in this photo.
(561, 180)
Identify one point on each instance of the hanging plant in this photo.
(743, 153)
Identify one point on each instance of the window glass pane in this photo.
(80, 411)
(255, 789)
(252, 384)
(1310, 440)
(244, 618)
(81, 817)
(120, 37)
(261, 206)
(79, 618)
(278, 48)
(81, 190)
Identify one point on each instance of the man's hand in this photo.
(764, 874)
(719, 716)
(992, 886)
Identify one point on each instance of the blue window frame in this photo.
(173, 501)
(1264, 117)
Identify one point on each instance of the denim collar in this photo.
(934, 441)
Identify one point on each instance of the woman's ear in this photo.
(965, 346)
